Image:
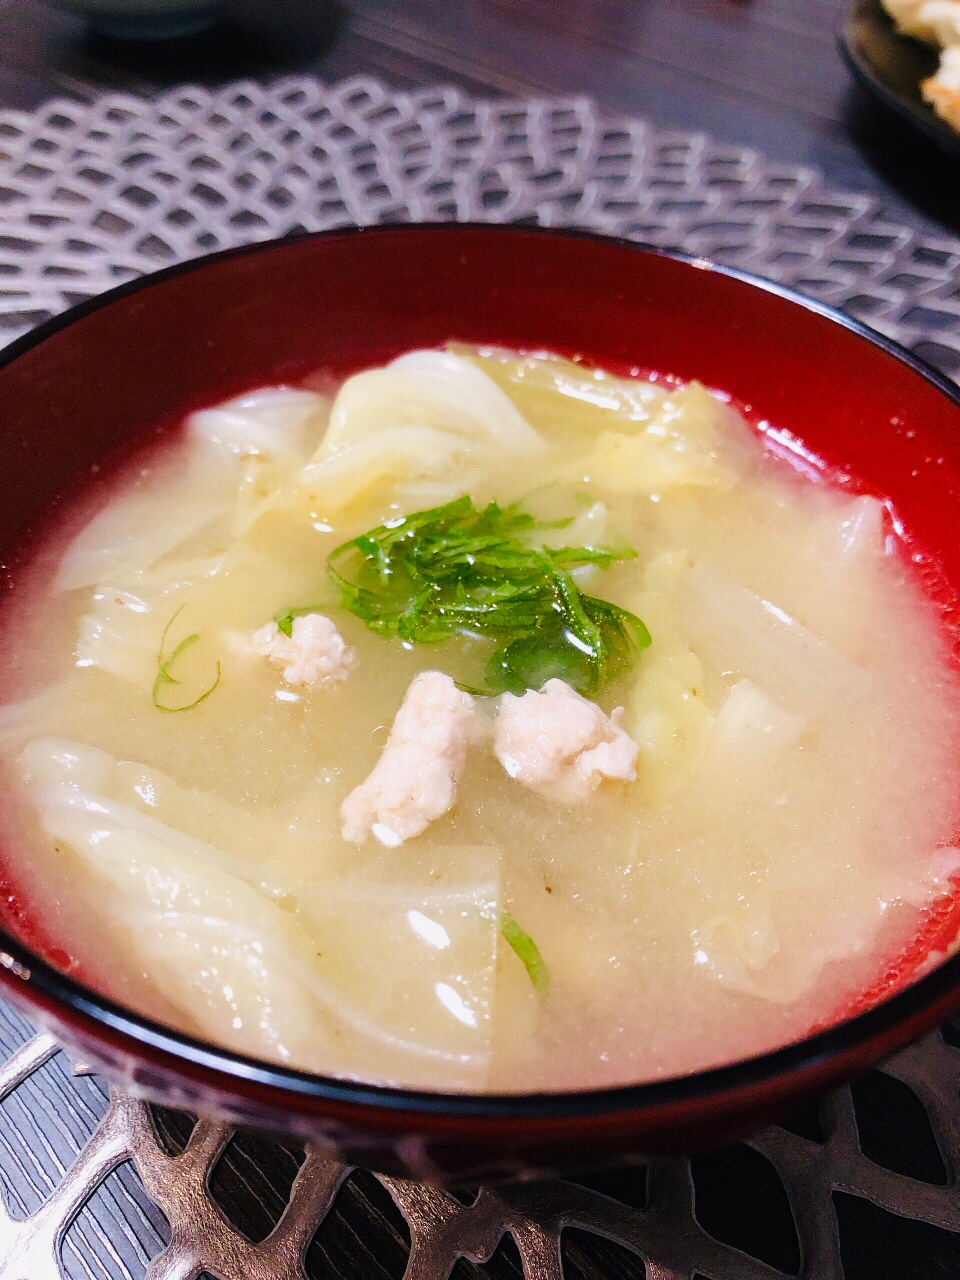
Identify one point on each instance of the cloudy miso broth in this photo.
(491, 723)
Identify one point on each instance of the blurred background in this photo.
(761, 73)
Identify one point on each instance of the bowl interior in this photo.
(192, 336)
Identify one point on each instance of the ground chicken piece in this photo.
(315, 653)
(415, 779)
(561, 745)
(942, 91)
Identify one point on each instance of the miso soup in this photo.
(490, 723)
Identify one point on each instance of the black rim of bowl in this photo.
(910, 108)
(51, 985)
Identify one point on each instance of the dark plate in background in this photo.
(891, 67)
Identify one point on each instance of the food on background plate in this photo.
(936, 22)
(942, 90)
(493, 723)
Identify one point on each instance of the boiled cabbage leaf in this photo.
(271, 423)
(429, 416)
(135, 530)
(380, 969)
(234, 964)
(414, 940)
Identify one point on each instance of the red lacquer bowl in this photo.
(85, 383)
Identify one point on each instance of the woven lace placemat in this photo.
(91, 195)
(98, 1185)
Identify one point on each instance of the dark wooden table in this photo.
(764, 73)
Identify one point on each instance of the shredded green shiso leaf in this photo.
(527, 951)
(464, 570)
(284, 619)
(164, 664)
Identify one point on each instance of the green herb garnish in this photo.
(527, 951)
(463, 570)
(164, 664)
(284, 619)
